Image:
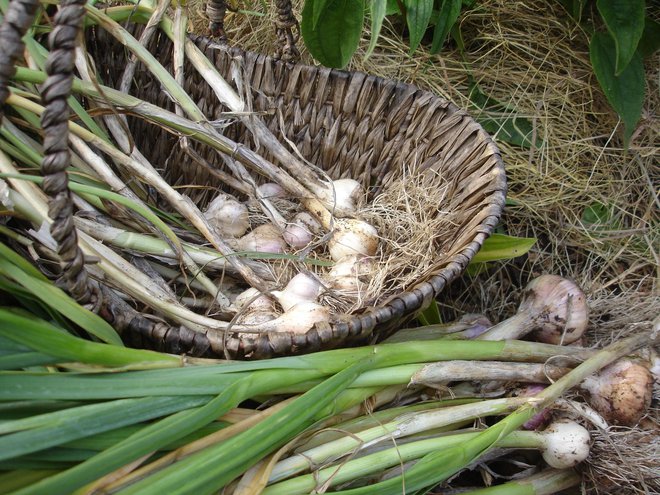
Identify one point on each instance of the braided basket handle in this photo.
(286, 27)
(55, 124)
(55, 91)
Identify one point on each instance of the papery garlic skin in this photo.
(254, 308)
(559, 308)
(566, 444)
(352, 237)
(301, 230)
(621, 392)
(301, 288)
(263, 239)
(270, 190)
(348, 194)
(299, 319)
(350, 275)
(228, 215)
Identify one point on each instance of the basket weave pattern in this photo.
(351, 125)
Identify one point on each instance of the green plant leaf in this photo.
(625, 22)
(334, 40)
(430, 315)
(449, 12)
(503, 247)
(500, 120)
(624, 92)
(418, 15)
(392, 7)
(318, 8)
(575, 8)
(58, 300)
(650, 41)
(378, 10)
(45, 338)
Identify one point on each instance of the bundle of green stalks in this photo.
(80, 416)
(80, 413)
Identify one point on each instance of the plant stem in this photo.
(407, 424)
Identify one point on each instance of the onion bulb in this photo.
(621, 392)
(228, 215)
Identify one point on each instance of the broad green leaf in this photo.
(318, 9)
(392, 7)
(625, 22)
(418, 15)
(500, 120)
(334, 40)
(650, 41)
(503, 247)
(624, 92)
(377, 11)
(449, 12)
(597, 214)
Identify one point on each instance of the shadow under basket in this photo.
(351, 125)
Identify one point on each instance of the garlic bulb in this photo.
(301, 288)
(351, 275)
(566, 444)
(552, 305)
(299, 319)
(254, 307)
(539, 419)
(300, 231)
(228, 215)
(352, 237)
(263, 239)
(621, 392)
(560, 307)
(271, 190)
(347, 194)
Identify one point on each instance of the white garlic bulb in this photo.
(352, 237)
(228, 215)
(301, 288)
(263, 239)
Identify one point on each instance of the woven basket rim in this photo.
(400, 306)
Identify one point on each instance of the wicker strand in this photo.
(215, 10)
(18, 19)
(55, 91)
(285, 24)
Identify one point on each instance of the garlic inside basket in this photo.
(396, 190)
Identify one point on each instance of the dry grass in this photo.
(533, 59)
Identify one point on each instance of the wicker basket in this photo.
(351, 125)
